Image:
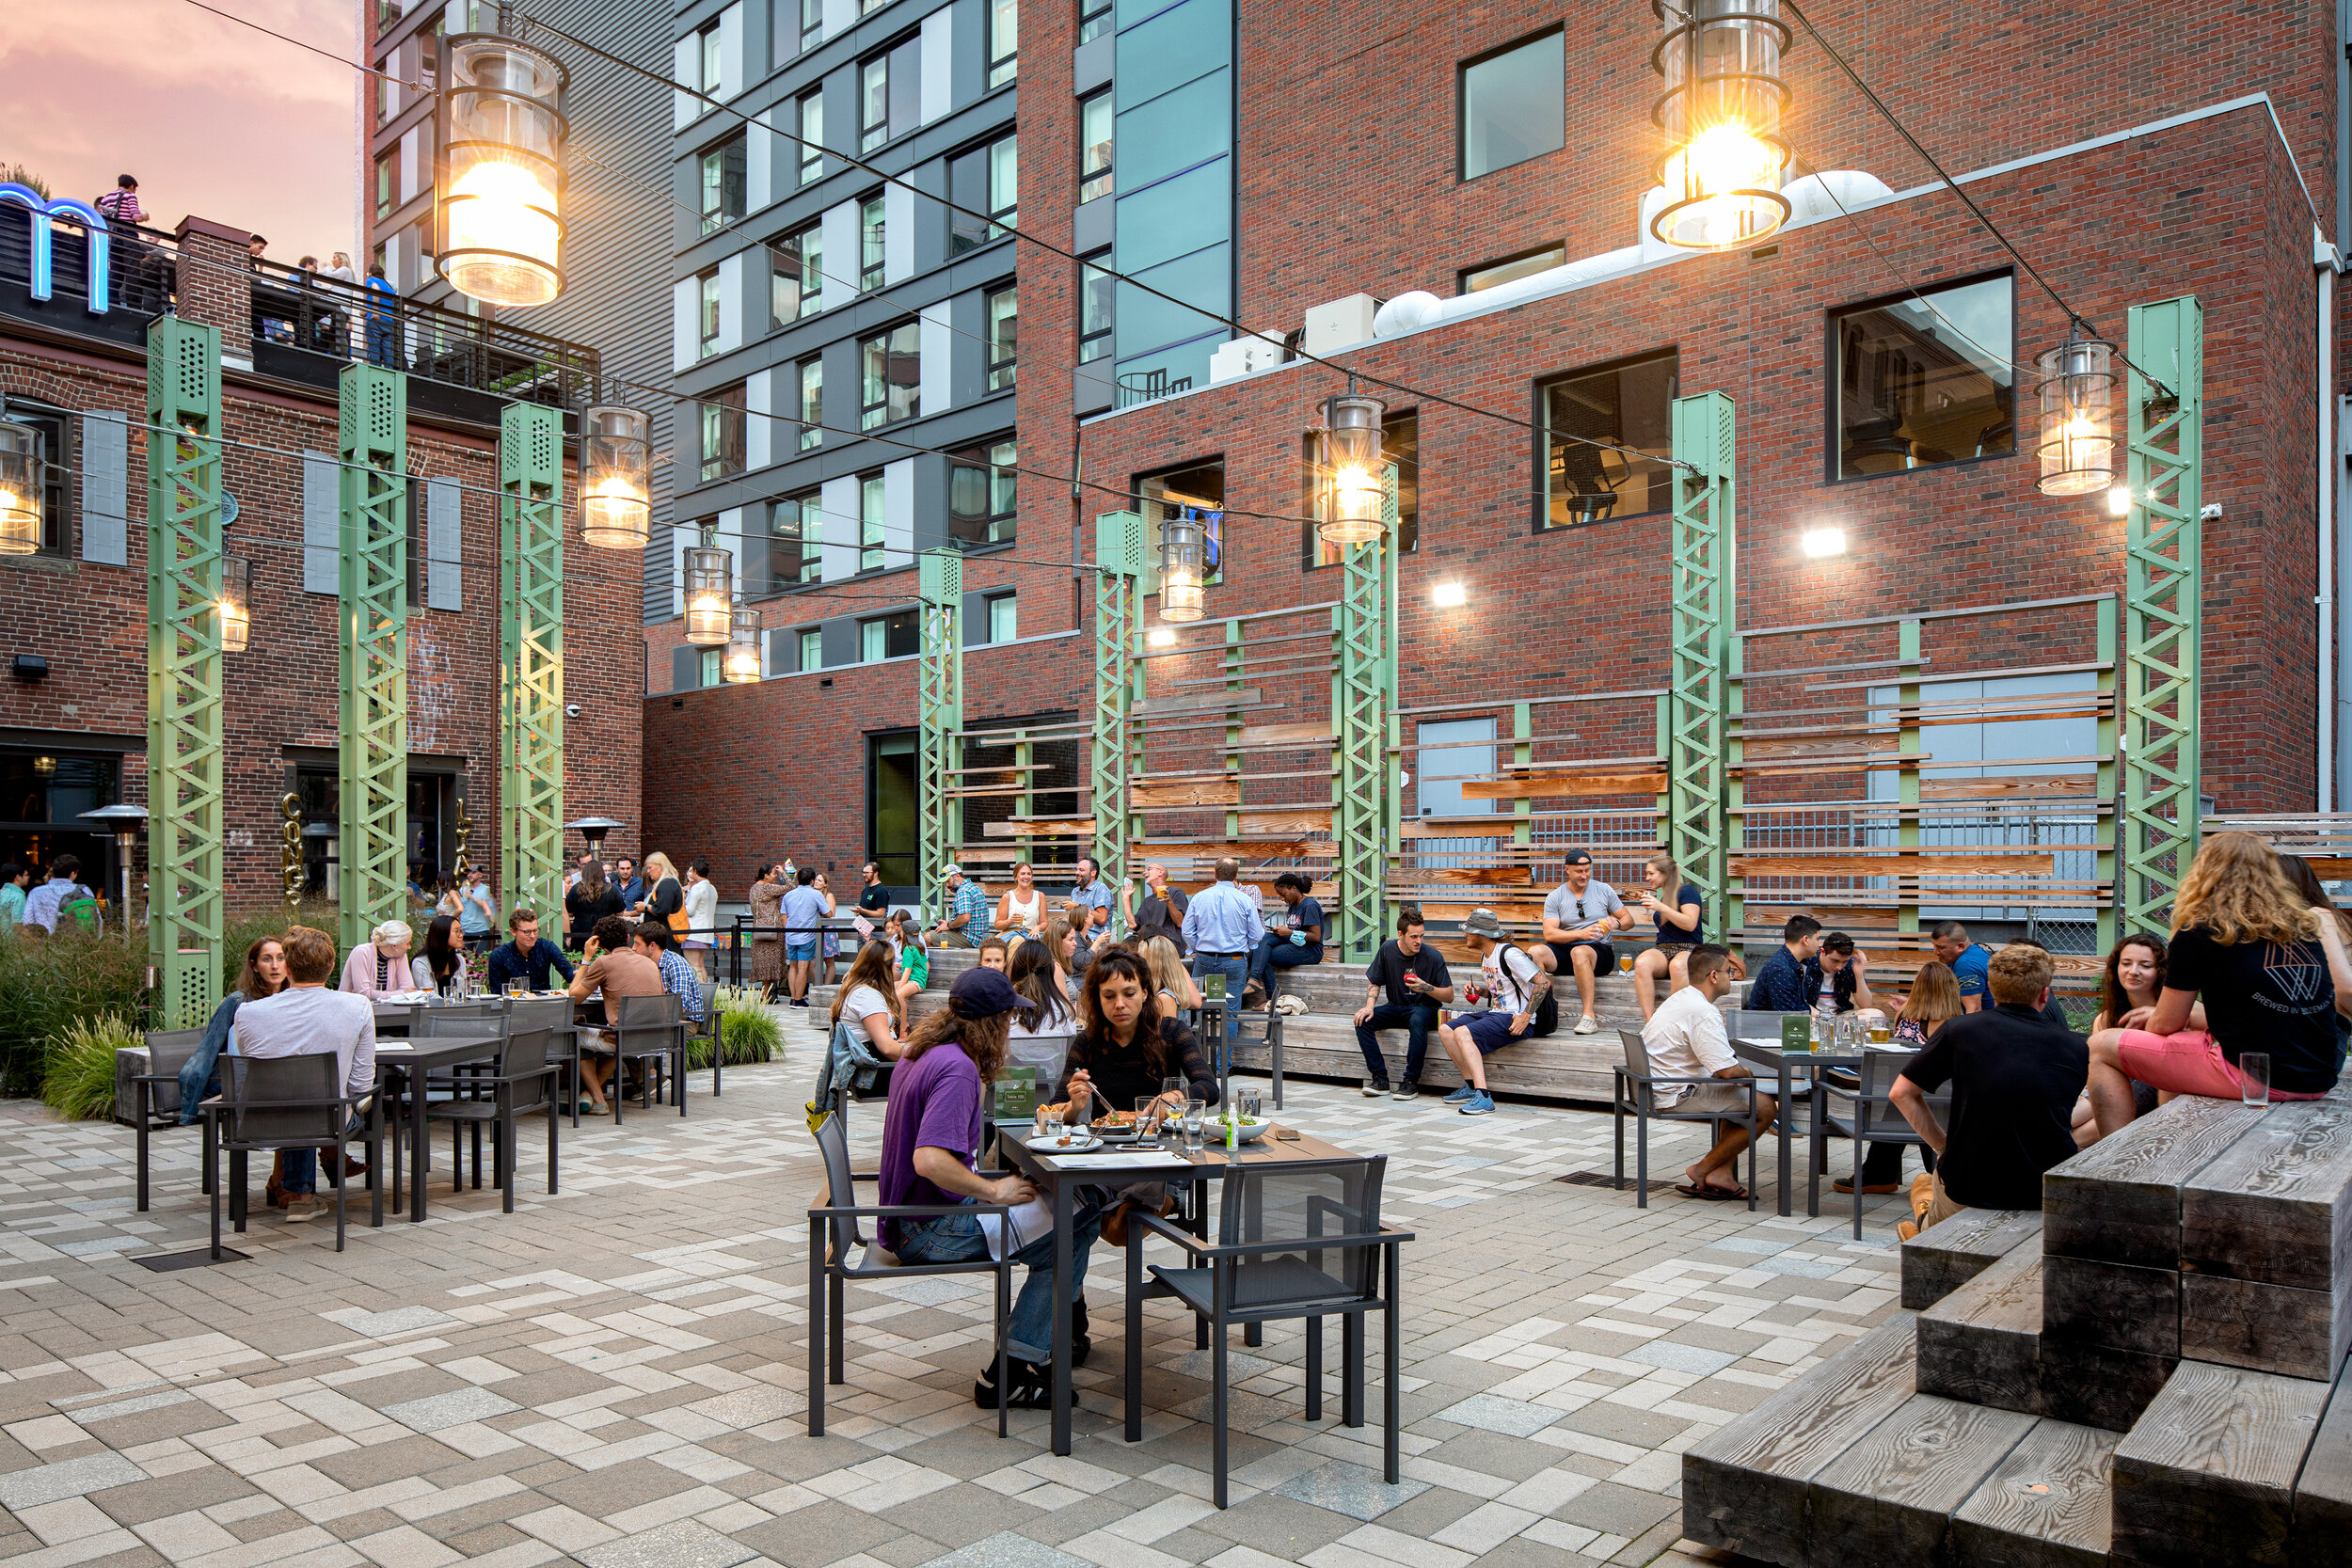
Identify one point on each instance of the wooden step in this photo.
(1890, 1498)
(2320, 1533)
(2119, 1199)
(2047, 1505)
(2266, 1245)
(1745, 1485)
(1942, 1259)
(2207, 1475)
(1982, 1343)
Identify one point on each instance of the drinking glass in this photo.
(1177, 1091)
(1247, 1105)
(2253, 1069)
(1147, 1113)
(1625, 963)
(1049, 1126)
(1882, 1033)
(518, 986)
(1193, 1108)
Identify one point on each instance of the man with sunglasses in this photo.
(1580, 917)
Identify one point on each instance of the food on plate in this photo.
(1116, 1118)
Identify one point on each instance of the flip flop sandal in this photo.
(1714, 1194)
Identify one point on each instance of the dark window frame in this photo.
(1540, 387)
(812, 147)
(1109, 173)
(734, 181)
(959, 457)
(1307, 540)
(809, 551)
(58, 457)
(731, 440)
(1462, 68)
(1093, 15)
(1008, 366)
(1463, 275)
(1832, 442)
(865, 409)
(1108, 337)
(873, 242)
(992, 62)
(812, 300)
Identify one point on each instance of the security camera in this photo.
(571, 711)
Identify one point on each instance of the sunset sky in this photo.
(213, 119)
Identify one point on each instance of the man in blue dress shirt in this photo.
(1222, 930)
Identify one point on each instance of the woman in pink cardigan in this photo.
(381, 966)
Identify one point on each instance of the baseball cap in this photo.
(1483, 923)
(982, 993)
(1579, 857)
(951, 869)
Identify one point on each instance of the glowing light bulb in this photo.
(503, 212)
(1161, 636)
(741, 664)
(236, 626)
(1729, 157)
(2120, 500)
(1821, 543)
(1449, 596)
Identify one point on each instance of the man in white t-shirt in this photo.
(308, 1020)
(1685, 1038)
(1515, 985)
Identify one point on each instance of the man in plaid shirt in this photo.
(968, 916)
(677, 976)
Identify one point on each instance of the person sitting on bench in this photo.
(1685, 1038)
(1403, 986)
(1517, 987)
(1294, 938)
(1580, 943)
(2014, 1078)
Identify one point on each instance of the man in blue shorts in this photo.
(806, 912)
(1514, 985)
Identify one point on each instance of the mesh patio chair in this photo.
(521, 1082)
(157, 1095)
(1297, 1239)
(554, 1014)
(708, 1031)
(649, 1030)
(839, 1251)
(281, 1102)
(1870, 1117)
(1636, 1094)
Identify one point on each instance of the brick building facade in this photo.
(80, 604)
(2130, 156)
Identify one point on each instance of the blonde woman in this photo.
(1021, 912)
(1934, 998)
(2274, 975)
(1170, 978)
(1679, 930)
(664, 895)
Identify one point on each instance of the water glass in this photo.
(2253, 1073)
(1049, 1126)
(1147, 1114)
(1193, 1109)
(1248, 1102)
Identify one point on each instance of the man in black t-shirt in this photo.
(1403, 986)
(2015, 1077)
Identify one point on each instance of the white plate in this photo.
(1067, 1145)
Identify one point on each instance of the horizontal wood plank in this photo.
(1830, 862)
(1310, 733)
(2206, 1475)
(1208, 792)
(1538, 786)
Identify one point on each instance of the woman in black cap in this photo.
(931, 1133)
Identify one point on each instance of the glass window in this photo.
(873, 102)
(1096, 118)
(707, 313)
(52, 469)
(888, 637)
(1004, 184)
(812, 404)
(709, 674)
(983, 500)
(722, 432)
(1098, 308)
(1004, 618)
(796, 278)
(812, 23)
(1201, 487)
(812, 650)
(985, 180)
(723, 184)
(890, 94)
(1004, 41)
(713, 59)
(1526, 264)
(795, 531)
(384, 198)
(1400, 442)
(811, 109)
(1514, 106)
(1094, 19)
(873, 266)
(1627, 405)
(1004, 337)
(892, 375)
(1923, 380)
(871, 524)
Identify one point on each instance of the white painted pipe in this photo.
(2324, 259)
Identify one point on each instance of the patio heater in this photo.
(709, 595)
(615, 485)
(2078, 415)
(20, 489)
(501, 234)
(1721, 109)
(592, 829)
(125, 822)
(1353, 473)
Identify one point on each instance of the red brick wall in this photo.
(1346, 156)
(90, 622)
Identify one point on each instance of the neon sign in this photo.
(93, 223)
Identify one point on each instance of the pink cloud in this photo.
(217, 120)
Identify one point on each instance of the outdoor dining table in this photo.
(1064, 1173)
(412, 1060)
(1806, 1073)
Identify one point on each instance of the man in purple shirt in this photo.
(930, 1136)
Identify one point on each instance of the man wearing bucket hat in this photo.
(938, 1114)
(1516, 987)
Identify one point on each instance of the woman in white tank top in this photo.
(1023, 906)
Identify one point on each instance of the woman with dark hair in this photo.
(589, 901)
(767, 901)
(2128, 992)
(1044, 1010)
(1125, 1048)
(863, 1005)
(2306, 882)
(445, 957)
(905, 935)
(264, 974)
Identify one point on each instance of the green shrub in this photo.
(746, 1028)
(247, 926)
(79, 1079)
(47, 984)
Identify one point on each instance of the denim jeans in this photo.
(1416, 1020)
(302, 1165)
(195, 1074)
(1236, 972)
(1281, 953)
(384, 343)
(957, 1239)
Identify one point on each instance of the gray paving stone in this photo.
(686, 1544)
(68, 1477)
(1350, 1489)
(1007, 1549)
(1490, 1412)
(440, 1412)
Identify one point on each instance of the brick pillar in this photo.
(216, 286)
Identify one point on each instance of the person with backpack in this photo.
(1519, 1005)
(61, 896)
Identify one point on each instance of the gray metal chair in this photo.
(708, 1031)
(649, 1029)
(1293, 1239)
(1211, 1032)
(554, 1014)
(840, 1250)
(522, 1082)
(1635, 1093)
(156, 1096)
(281, 1102)
(1870, 1117)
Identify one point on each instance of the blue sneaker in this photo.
(1461, 1096)
(1479, 1105)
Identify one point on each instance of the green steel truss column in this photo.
(2162, 621)
(1118, 631)
(184, 672)
(2109, 734)
(1363, 689)
(939, 705)
(1704, 589)
(530, 656)
(371, 612)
